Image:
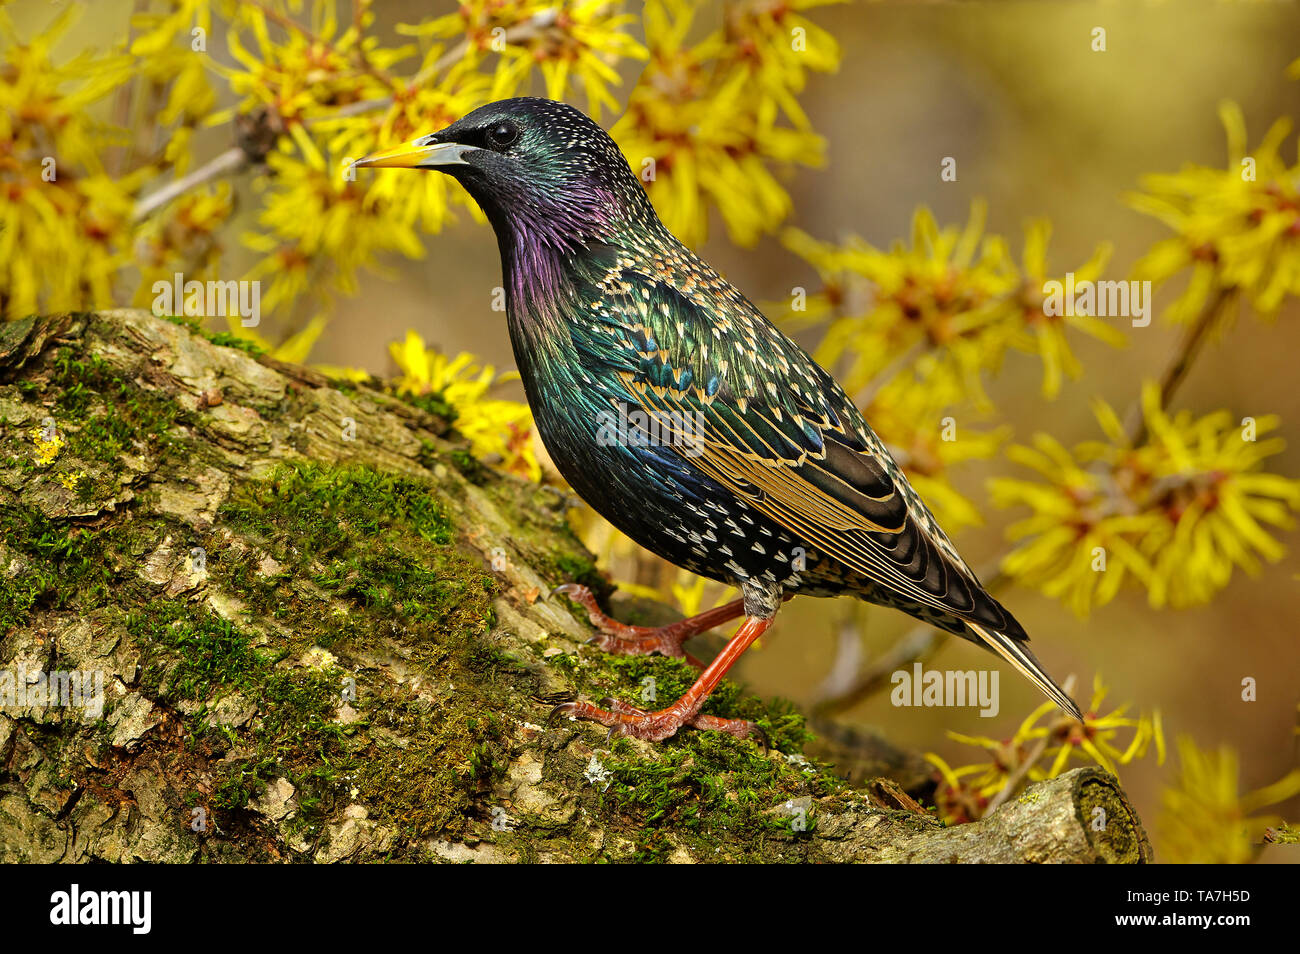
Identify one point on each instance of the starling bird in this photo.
(686, 418)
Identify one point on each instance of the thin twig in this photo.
(918, 644)
(235, 158)
(454, 55)
(895, 367)
(1021, 770)
(1189, 348)
(228, 162)
(527, 30)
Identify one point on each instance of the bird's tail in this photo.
(1017, 653)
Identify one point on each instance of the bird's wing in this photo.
(760, 417)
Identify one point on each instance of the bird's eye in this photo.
(503, 135)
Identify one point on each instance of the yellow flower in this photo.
(416, 201)
(305, 73)
(295, 349)
(1178, 513)
(703, 124)
(497, 430)
(317, 229)
(64, 222)
(1205, 820)
(159, 31)
(572, 42)
(47, 448)
(321, 223)
(775, 46)
(1236, 228)
(1040, 750)
(912, 415)
(1095, 740)
(43, 106)
(1042, 334)
(953, 293)
(166, 58)
(893, 306)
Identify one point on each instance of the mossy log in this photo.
(325, 634)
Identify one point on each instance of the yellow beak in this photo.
(418, 155)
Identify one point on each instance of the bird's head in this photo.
(543, 173)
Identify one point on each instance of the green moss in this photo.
(1285, 834)
(320, 510)
(63, 566)
(227, 340)
(378, 544)
(448, 594)
(720, 791)
(433, 403)
(544, 537)
(573, 568)
(453, 751)
(469, 466)
(379, 549)
(295, 737)
(625, 677)
(710, 786)
(106, 414)
(223, 338)
(101, 415)
(188, 652)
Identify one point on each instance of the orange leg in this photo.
(625, 640)
(624, 719)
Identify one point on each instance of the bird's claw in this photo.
(564, 589)
(564, 708)
(621, 638)
(625, 719)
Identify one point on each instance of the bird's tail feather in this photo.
(1017, 653)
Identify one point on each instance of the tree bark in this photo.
(323, 633)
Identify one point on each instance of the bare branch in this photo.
(1181, 362)
(227, 163)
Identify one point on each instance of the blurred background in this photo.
(1042, 126)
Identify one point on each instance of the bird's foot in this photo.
(623, 718)
(623, 639)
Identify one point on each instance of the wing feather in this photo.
(776, 430)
